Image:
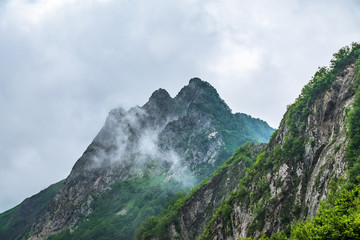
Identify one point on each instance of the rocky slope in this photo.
(302, 162)
(200, 207)
(168, 144)
(196, 209)
(304, 159)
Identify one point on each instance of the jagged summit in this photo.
(197, 93)
(197, 84)
(160, 105)
(160, 94)
(187, 94)
(195, 80)
(201, 92)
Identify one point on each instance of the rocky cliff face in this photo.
(302, 160)
(183, 138)
(199, 208)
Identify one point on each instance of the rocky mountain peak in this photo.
(201, 92)
(160, 106)
(171, 143)
(195, 87)
(159, 96)
(196, 82)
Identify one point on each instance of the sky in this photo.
(64, 64)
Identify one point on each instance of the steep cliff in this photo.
(304, 157)
(141, 158)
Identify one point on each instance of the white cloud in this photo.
(234, 60)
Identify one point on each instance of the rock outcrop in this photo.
(294, 173)
(199, 208)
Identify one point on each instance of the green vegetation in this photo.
(16, 222)
(119, 211)
(353, 147)
(338, 218)
(257, 196)
(253, 198)
(156, 226)
(319, 84)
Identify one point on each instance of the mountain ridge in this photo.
(167, 145)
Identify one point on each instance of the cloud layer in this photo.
(66, 63)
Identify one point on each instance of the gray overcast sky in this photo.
(65, 63)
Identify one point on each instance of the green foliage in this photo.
(298, 111)
(297, 210)
(345, 56)
(273, 135)
(338, 218)
(293, 149)
(259, 222)
(353, 147)
(16, 222)
(226, 211)
(320, 83)
(156, 226)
